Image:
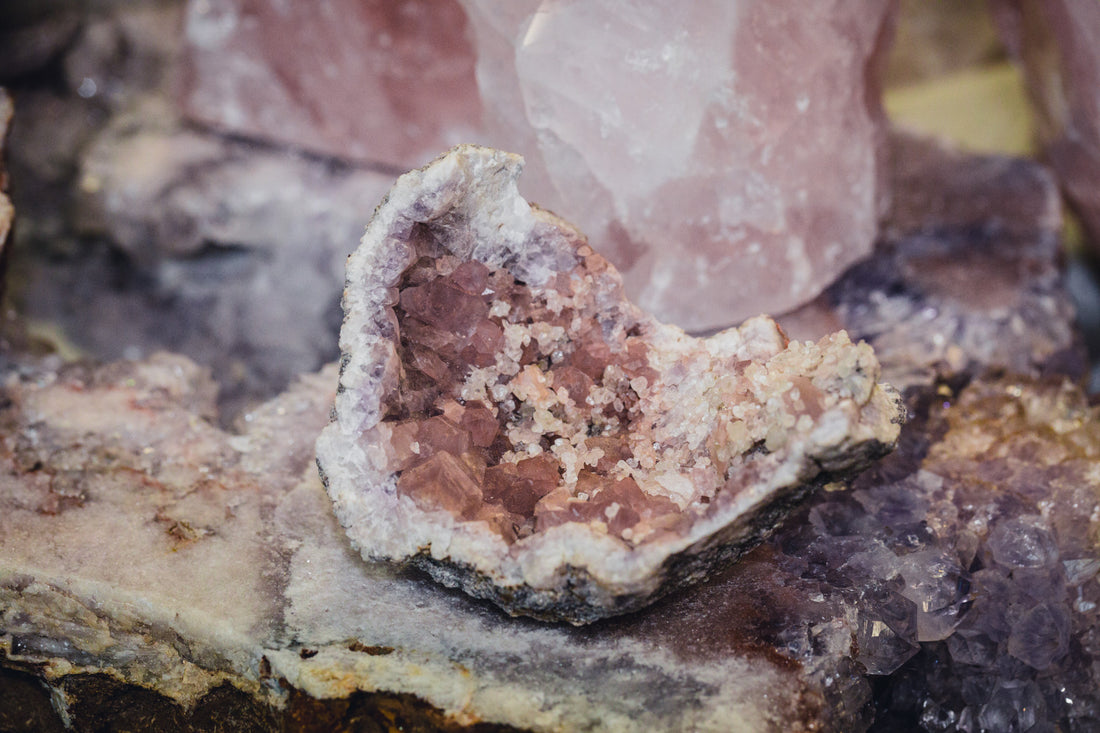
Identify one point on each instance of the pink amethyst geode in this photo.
(510, 423)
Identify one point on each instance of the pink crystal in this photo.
(479, 421)
(442, 482)
(445, 306)
(371, 80)
(438, 434)
(574, 381)
(726, 149)
(519, 487)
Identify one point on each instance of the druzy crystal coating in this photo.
(510, 423)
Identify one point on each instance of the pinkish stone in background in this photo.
(725, 155)
(371, 80)
(1057, 42)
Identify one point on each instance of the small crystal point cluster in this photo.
(510, 423)
(514, 409)
(700, 144)
(967, 562)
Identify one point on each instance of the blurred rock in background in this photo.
(139, 231)
(7, 213)
(950, 77)
(214, 182)
(373, 81)
(966, 274)
(936, 39)
(193, 173)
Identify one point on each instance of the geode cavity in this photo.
(508, 422)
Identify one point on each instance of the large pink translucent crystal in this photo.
(726, 149)
(1058, 45)
(388, 81)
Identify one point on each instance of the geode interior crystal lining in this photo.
(508, 422)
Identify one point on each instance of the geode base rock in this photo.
(510, 423)
(700, 144)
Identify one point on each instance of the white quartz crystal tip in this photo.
(510, 423)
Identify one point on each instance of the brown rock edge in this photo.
(96, 700)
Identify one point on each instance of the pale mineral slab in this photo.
(140, 540)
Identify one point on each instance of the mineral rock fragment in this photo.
(375, 81)
(968, 559)
(239, 247)
(957, 219)
(698, 144)
(1058, 46)
(510, 423)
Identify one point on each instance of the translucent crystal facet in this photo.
(511, 423)
(697, 144)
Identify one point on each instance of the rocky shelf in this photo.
(170, 558)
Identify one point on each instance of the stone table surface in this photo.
(138, 539)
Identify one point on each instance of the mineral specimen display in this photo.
(511, 424)
(159, 573)
(700, 143)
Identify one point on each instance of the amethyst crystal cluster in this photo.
(967, 562)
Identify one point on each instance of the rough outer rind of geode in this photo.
(715, 439)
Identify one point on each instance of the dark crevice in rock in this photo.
(98, 703)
